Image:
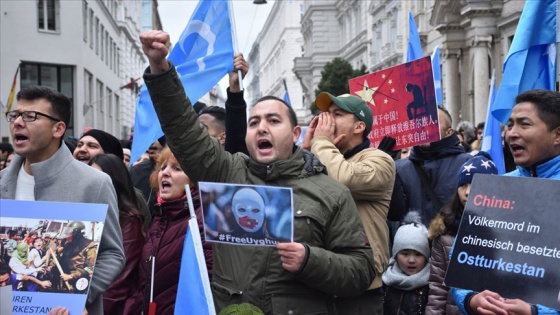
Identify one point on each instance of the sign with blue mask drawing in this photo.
(247, 214)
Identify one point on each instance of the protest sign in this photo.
(403, 102)
(247, 214)
(508, 240)
(6, 297)
(55, 256)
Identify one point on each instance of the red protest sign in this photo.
(403, 102)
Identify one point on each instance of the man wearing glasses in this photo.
(44, 169)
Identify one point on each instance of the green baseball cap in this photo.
(349, 103)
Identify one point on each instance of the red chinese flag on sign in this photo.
(403, 102)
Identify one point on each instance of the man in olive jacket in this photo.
(329, 257)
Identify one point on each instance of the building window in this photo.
(91, 40)
(97, 36)
(352, 22)
(509, 41)
(393, 32)
(99, 96)
(110, 55)
(106, 48)
(48, 15)
(60, 78)
(115, 58)
(88, 88)
(118, 114)
(109, 102)
(102, 42)
(118, 61)
(85, 18)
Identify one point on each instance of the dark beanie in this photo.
(162, 140)
(108, 142)
(481, 163)
(198, 107)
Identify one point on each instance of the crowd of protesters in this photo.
(373, 229)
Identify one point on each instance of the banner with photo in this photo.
(403, 102)
(508, 240)
(247, 214)
(49, 250)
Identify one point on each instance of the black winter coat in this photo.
(401, 302)
(165, 240)
(441, 162)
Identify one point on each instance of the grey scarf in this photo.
(395, 277)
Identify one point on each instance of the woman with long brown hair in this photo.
(131, 222)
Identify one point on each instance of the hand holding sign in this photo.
(488, 302)
(247, 214)
(292, 255)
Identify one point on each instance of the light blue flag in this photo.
(492, 136)
(286, 98)
(531, 61)
(203, 55)
(414, 50)
(194, 295)
(436, 69)
(302, 135)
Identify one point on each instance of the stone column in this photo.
(451, 82)
(481, 80)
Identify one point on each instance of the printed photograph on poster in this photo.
(403, 102)
(508, 237)
(247, 214)
(49, 250)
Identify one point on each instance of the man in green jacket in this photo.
(329, 256)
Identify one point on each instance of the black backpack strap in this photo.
(427, 185)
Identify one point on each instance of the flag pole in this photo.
(557, 44)
(87, 106)
(234, 39)
(12, 90)
(190, 201)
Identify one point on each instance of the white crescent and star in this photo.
(204, 30)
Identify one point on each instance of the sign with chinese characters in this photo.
(403, 102)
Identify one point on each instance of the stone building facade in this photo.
(473, 35)
(272, 55)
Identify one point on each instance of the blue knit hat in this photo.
(481, 163)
